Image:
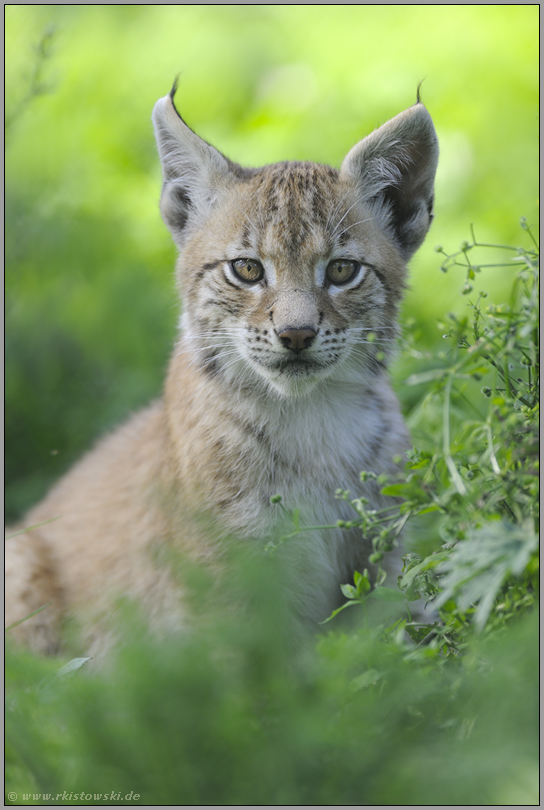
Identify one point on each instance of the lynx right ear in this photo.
(193, 170)
(393, 169)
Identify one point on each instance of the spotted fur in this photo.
(277, 382)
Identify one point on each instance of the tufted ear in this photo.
(393, 169)
(193, 171)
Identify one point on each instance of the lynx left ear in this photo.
(393, 169)
(194, 172)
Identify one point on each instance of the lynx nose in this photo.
(297, 339)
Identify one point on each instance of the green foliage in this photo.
(391, 711)
(235, 715)
(483, 479)
(90, 302)
(479, 568)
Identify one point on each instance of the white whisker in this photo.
(367, 328)
(335, 209)
(253, 225)
(334, 233)
(353, 224)
(195, 351)
(220, 355)
(211, 333)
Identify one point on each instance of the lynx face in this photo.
(295, 290)
(292, 273)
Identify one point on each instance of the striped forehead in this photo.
(292, 204)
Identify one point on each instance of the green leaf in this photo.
(362, 583)
(387, 595)
(340, 609)
(395, 490)
(429, 562)
(72, 666)
(477, 568)
(349, 591)
(368, 678)
(433, 508)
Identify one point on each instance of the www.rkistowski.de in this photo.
(71, 797)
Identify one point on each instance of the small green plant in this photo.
(476, 475)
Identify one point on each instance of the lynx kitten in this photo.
(274, 386)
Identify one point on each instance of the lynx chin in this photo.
(290, 277)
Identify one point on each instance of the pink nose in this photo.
(297, 339)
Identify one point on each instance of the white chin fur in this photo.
(291, 385)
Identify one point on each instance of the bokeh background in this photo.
(90, 305)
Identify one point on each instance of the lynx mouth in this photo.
(292, 365)
(298, 366)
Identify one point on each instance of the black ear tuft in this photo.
(174, 89)
(173, 92)
(194, 172)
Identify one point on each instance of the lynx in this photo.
(290, 277)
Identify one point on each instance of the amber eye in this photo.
(249, 270)
(340, 271)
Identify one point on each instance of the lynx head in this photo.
(291, 274)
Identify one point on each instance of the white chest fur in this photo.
(306, 448)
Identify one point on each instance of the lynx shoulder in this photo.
(291, 277)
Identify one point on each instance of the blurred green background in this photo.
(90, 303)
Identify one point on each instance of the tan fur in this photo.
(245, 413)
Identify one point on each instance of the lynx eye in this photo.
(248, 270)
(340, 271)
